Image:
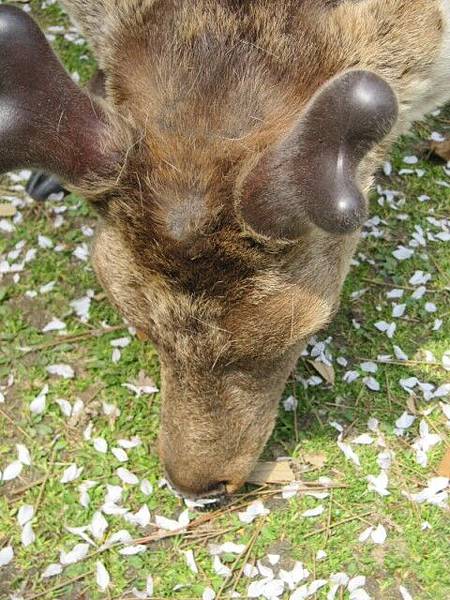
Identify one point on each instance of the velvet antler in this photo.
(46, 121)
(311, 176)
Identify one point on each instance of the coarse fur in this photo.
(200, 89)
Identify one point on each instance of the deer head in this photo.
(230, 205)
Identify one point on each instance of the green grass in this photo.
(419, 560)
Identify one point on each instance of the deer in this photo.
(228, 147)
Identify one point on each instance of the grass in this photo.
(415, 558)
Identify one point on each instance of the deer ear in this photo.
(310, 178)
(46, 121)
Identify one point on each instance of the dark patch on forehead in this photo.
(210, 265)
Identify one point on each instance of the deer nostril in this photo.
(204, 490)
(218, 488)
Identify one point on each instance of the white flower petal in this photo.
(127, 476)
(25, 514)
(132, 550)
(208, 594)
(399, 354)
(27, 536)
(364, 439)
(349, 453)
(404, 593)
(123, 536)
(120, 342)
(61, 370)
(37, 406)
(120, 454)
(442, 391)
(98, 525)
(250, 570)
(221, 569)
(78, 552)
(356, 582)
(183, 519)
(146, 487)
(109, 508)
(44, 242)
(81, 307)
(254, 510)
(395, 294)
(78, 407)
(398, 310)
(372, 424)
(81, 531)
(226, 548)
(141, 517)
(23, 454)
(52, 570)
(84, 487)
(365, 535)
(359, 594)
(6, 555)
(273, 588)
(167, 524)
(65, 406)
(369, 367)
(340, 578)
(71, 473)
(371, 383)
(387, 168)
(313, 512)
(316, 585)
(378, 535)
(102, 576)
(405, 421)
(419, 293)
(290, 403)
(54, 325)
(12, 471)
(100, 445)
(402, 253)
(264, 571)
(128, 444)
(190, 560)
(294, 576)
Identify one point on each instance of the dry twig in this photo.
(70, 339)
(244, 558)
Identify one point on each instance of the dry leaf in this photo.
(441, 149)
(141, 335)
(271, 472)
(444, 467)
(316, 460)
(7, 210)
(144, 380)
(411, 405)
(325, 371)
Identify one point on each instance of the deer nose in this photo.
(193, 477)
(197, 487)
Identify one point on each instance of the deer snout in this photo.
(196, 476)
(193, 482)
(198, 489)
(213, 433)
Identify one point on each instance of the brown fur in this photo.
(200, 89)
